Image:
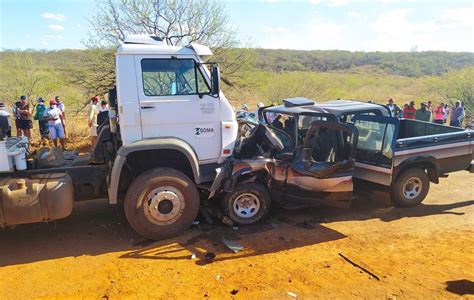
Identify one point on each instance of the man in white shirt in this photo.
(394, 109)
(54, 117)
(62, 108)
(93, 111)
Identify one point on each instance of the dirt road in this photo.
(420, 252)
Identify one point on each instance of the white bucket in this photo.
(19, 156)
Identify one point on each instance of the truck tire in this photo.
(247, 204)
(410, 188)
(161, 203)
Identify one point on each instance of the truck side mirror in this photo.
(215, 80)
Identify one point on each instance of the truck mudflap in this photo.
(39, 198)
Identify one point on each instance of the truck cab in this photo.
(167, 91)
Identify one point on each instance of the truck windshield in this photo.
(165, 77)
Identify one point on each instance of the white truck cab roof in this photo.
(145, 44)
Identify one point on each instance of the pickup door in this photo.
(374, 155)
(321, 172)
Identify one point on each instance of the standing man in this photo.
(43, 124)
(25, 122)
(457, 115)
(53, 116)
(446, 113)
(394, 109)
(423, 114)
(16, 116)
(92, 118)
(409, 111)
(5, 123)
(429, 106)
(104, 106)
(439, 114)
(62, 108)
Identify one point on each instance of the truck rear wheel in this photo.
(161, 203)
(411, 188)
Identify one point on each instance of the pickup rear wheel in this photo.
(247, 204)
(411, 188)
(161, 203)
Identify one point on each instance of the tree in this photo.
(21, 76)
(178, 22)
(457, 85)
(96, 73)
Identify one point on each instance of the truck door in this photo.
(374, 155)
(175, 101)
(322, 170)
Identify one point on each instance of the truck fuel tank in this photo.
(39, 198)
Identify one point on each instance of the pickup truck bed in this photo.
(387, 146)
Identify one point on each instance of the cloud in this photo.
(270, 1)
(456, 17)
(353, 14)
(27, 36)
(319, 33)
(336, 3)
(44, 43)
(53, 37)
(330, 3)
(53, 16)
(56, 27)
(451, 30)
(275, 29)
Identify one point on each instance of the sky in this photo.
(355, 25)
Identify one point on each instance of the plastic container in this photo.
(6, 162)
(19, 157)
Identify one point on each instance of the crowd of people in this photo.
(51, 118)
(427, 113)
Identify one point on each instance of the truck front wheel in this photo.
(161, 203)
(411, 188)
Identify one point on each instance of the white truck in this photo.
(168, 129)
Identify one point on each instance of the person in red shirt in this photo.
(409, 111)
(438, 114)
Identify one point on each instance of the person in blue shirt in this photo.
(457, 115)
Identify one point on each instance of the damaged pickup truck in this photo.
(303, 154)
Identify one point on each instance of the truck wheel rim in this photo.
(412, 188)
(164, 205)
(246, 205)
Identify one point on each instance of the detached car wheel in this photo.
(161, 203)
(247, 204)
(411, 188)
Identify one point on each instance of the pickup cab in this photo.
(305, 154)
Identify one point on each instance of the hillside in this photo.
(411, 64)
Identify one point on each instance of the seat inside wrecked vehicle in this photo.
(261, 141)
(327, 150)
